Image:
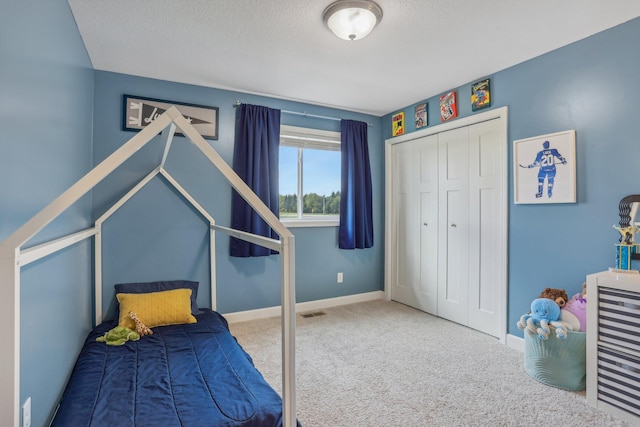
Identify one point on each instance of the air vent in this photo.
(314, 314)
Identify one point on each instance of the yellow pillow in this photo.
(156, 308)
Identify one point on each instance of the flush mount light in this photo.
(352, 19)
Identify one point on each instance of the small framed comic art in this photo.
(448, 106)
(421, 115)
(480, 95)
(139, 112)
(544, 168)
(397, 124)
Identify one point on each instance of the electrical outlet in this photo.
(340, 277)
(26, 413)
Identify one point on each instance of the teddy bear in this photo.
(545, 312)
(558, 295)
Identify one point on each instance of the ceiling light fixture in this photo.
(352, 19)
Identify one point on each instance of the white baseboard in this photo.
(263, 313)
(515, 342)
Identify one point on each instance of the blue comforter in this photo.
(182, 375)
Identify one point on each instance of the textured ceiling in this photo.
(282, 49)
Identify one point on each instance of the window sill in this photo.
(298, 223)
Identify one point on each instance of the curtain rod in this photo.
(304, 113)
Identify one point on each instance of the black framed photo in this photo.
(139, 112)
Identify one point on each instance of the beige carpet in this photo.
(385, 364)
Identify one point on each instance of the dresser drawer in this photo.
(613, 343)
(619, 318)
(619, 379)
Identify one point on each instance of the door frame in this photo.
(500, 114)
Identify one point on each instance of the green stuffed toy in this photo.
(118, 336)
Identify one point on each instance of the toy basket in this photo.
(555, 362)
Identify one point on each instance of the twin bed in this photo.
(184, 374)
(190, 371)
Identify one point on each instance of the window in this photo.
(309, 177)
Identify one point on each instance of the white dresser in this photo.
(613, 343)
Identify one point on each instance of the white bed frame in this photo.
(13, 256)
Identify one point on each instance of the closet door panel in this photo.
(453, 150)
(404, 268)
(404, 264)
(426, 155)
(456, 252)
(484, 277)
(486, 237)
(453, 265)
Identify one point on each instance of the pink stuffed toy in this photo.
(574, 313)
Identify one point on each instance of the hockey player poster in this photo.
(544, 168)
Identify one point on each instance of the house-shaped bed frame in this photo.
(13, 257)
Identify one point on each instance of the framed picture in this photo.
(448, 106)
(140, 112)
(544, 168)
(421, 115)
(480, 95)
(397, 124)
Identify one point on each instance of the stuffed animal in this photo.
(575, 313)
(118, 336)
(558, 295)
(544, 313)
(141, 328)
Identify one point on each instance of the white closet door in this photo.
(453, 235)
(426, 197)
(404, 259)
(415, 193)
(486, 225)
(447, 221)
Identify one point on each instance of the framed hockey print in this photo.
(544, 168)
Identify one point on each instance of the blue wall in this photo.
(55, 129)
(152, 239)
(588, 86)
(46, 109)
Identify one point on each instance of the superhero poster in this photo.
(421, 117)
(480, 95)
(397, 124)
(448, 106)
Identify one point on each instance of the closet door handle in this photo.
(425, 224)
(453, 225)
